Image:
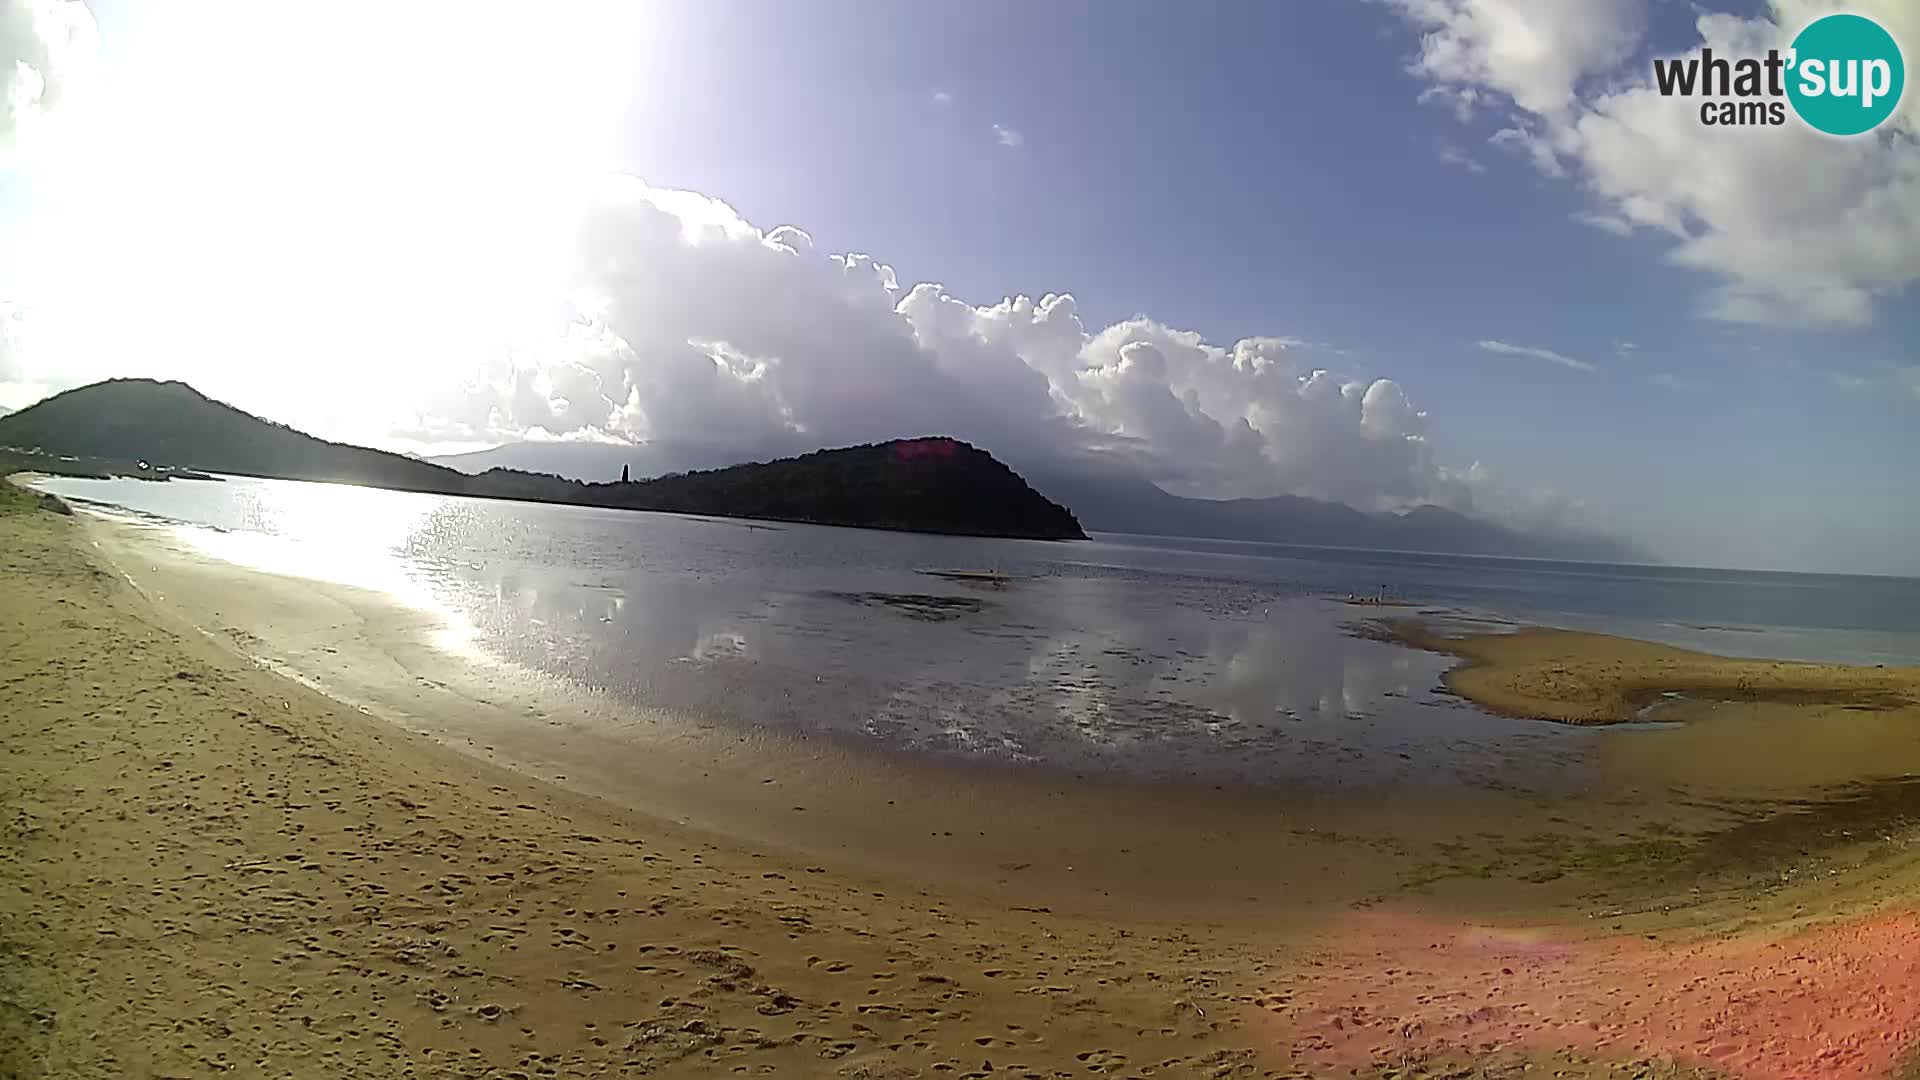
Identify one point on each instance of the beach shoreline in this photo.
(1103, 847)
(1097, 847)
(1588, 679)
(312, 891)
(1019, 836)
(307, 884)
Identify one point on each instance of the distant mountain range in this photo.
(1106, 498)
(921, 485)
(936, 485)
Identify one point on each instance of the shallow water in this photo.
(1202, 661)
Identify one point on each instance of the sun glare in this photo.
(380, 199)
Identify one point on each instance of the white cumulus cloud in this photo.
(1533, 51)
(1792, 227)
(45, 47)
(697, 328)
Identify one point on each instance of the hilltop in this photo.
(1108, 497)
(923, 485)
(935, 484)
(172, 424)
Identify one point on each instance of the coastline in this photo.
(222, 868)
(546, 489)
(1164, 852)
(1580, 678)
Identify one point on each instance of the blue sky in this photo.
(1247, 168)
(1297, 170)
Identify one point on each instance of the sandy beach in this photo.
(214, 867)
(1579, 678)
(220, 870)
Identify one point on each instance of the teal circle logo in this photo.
(1846, 74)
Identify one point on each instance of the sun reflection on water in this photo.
(361, 538)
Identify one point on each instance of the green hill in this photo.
(172, 424)
(919, 485)
(923, 485)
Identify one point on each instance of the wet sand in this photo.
(1015, 836)
(1572, 677)
(213, 867)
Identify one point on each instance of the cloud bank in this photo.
(45, 47)
(1794, 227)
(625, 312)
(692, 326)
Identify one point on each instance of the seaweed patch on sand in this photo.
(925, 606)
(975, 579)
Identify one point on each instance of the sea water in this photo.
(1139, 657)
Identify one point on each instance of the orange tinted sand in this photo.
(1840, 1000)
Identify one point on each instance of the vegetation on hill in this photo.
(920, 485)
(17, 500)
(1107, 495)
(931, 485)
(171, 423)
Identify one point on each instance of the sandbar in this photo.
(1573, 677)
(211, 866)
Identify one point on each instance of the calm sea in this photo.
(1140, 656)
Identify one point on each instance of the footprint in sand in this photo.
(1275, 1002)
(1101, 1060)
